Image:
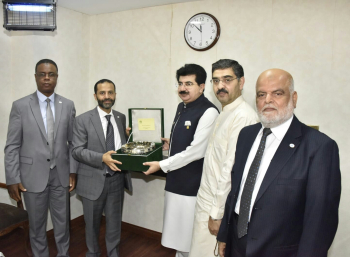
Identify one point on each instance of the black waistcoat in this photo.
(186, 180)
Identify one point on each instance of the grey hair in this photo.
(291, 85)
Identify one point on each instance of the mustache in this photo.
(108, 99)
(268, 106)
(183, 93)
(221, 90)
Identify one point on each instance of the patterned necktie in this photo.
(246, 198)
(110, 140)
(50, 135)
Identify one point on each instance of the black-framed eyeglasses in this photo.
(225, 81)
(50, 75)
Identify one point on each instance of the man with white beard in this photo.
(286, 181)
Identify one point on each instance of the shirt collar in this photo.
(280, 131)
(103, 113)
(234, 104)
(42, 98)
(195, 102)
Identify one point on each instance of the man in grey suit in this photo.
(38, 158)
(97, 133)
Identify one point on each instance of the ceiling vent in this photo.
(30, 15)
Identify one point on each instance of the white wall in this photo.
(140, 50)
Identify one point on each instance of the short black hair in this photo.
(46, 61)
(101, 81)
(192, 69)
(228, 63)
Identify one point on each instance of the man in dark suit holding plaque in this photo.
(286, 185)
(97, 134)
(194, 120)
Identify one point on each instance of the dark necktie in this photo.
(110, 140)
(246, 198)
(50, 134)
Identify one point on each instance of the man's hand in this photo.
(222, 248)
(153, 167)
(107, 159)
(14, 191)
(166, 143)
(127, 131)
(72, 181)
(214, 226)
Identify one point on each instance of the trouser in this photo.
(181, 254)
(56, 198)
(235, 247)
(110, 202)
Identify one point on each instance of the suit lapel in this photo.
(282, 155)
(58, 111)
(96, 122)
(34, 105)
(120, 127)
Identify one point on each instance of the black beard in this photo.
(105, 106)
(183, 93)
(222, 90)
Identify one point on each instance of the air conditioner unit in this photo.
(30, 15)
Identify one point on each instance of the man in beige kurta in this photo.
(227, 81)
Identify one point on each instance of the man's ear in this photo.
(202, 87)
(241, 83)
(295, 99)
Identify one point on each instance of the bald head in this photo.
(277, 76)
(275, 97)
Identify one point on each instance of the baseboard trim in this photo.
(125, 226)
(141, 231)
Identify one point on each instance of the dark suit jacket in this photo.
(89, 145)
(27, 152)
(296, 209)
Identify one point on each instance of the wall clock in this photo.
(202, 31)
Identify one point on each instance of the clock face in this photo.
(202, 31)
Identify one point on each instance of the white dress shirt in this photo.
(43, 105)
(220, 156)
(104, 121)
(272, 143)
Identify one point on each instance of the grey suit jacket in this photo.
(27, 152)
(89, 145)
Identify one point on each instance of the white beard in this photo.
(269, 121)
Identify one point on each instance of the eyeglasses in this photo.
(50, 75)
(225, 81)
(185, 84)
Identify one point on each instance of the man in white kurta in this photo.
(228, 81)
